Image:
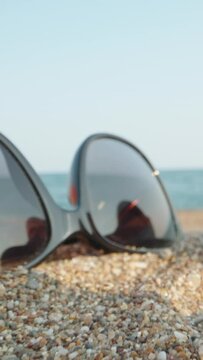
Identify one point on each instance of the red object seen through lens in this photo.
(73, 195)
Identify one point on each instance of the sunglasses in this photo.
(117, 198)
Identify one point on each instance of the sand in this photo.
(191, 220)
(85, 303)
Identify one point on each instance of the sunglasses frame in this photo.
(67, 224)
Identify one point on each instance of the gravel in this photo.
(84, 303)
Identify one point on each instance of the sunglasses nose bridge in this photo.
(71, 223)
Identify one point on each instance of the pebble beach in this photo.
(85, 303)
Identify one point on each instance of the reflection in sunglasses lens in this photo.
(24, 229)
(127, 203)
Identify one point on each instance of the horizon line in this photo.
(161, 169)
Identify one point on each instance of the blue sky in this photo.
(72, 68)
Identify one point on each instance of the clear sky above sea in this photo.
(72, 68)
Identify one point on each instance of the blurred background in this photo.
(72, 68)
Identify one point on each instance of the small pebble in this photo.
(33, 284)
(39, 320)
(100, 308)
(61, 351)
(180, 336)
(84, 329)
(10, 304)
(55, 316)
(87, 319)
(111, 334)
(200, 351)
(2, 290)
(152, 356)
(162, 355)
(194, 280)
(73, 355)
(21, 270)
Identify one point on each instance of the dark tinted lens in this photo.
(24, 230)
(127, 203)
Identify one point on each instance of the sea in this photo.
(184, 187)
